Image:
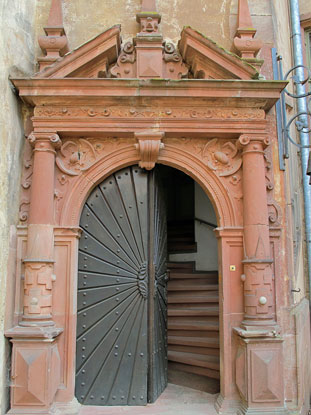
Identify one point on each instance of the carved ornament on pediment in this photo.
(220, 113)
(173, 66)
(125, 68)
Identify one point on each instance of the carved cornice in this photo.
(149, 145)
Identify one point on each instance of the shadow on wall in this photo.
(206, 257)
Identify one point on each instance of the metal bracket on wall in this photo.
(300, 120)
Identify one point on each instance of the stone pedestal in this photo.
(36, 369)
(259, 376)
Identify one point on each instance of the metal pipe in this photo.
(304, 137)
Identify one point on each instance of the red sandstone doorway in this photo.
(122, 317)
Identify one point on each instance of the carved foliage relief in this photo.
(107, 112)
(26, 183)
(220, 156)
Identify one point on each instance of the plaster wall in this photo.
(206, 258)
(16, 58)
(304, 6)
(292, 193)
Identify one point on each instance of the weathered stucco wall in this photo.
(16, 58)
(305, 6)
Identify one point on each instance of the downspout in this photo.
(304, 137)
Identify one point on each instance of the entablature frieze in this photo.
(187, 120)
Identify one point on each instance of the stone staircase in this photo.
(193, 320)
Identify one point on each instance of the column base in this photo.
(225, 406)
(36, 323)
(243, 410)
(33, 411)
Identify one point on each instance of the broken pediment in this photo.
(90, 60)
(147, 56)
(207, 60)
(198, 57)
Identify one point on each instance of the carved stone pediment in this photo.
(90, 60)
(148, 56)
(207, 60)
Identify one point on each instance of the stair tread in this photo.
(202, 371)
(193, 297)
(192, 325)
(191, 284)
(194, 359)
(182, 265)
(202, 311)
(193, 275)
(194, 341)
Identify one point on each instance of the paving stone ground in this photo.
(175, 400)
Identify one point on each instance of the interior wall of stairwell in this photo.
(206, 257)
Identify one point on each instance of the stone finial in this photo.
(55, 43)
(149, 18)
(244, 41)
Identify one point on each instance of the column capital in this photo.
(44, 141)
(253, 142)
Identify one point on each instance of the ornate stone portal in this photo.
(89, 121)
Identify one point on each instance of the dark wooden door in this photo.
(121, 354)
(157, 379)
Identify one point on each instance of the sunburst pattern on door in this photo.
(112, 360)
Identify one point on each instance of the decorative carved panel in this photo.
(36, 372)
(265, 372)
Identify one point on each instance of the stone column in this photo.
(36, 363)
(258, 280)
(39, 261)
(259, 370)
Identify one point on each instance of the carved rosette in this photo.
(149, 145)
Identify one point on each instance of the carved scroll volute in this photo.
(149, 145)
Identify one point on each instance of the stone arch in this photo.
(171, 156)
